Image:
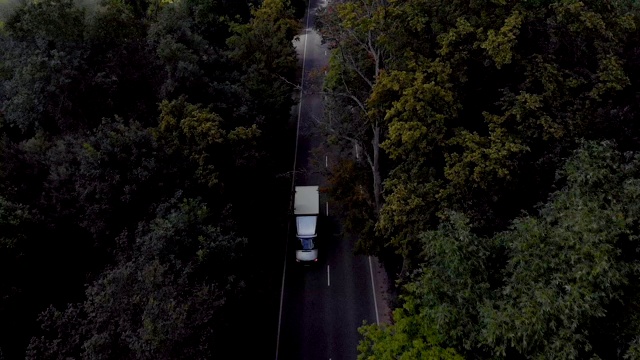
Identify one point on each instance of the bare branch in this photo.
(295, 86)
(355, 68)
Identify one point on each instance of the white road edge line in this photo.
(328, 276)
(373, 288)
(327, 208)
(293, 178)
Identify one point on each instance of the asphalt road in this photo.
(322, 306)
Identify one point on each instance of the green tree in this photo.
(355, 31)
(570, 282)
(348, 183)
(407, 339)
(560, 284)
(194, 137)
(438, 308)
(263, 49)
(165, 298)
(122, 70)
(43, 58)
(114, 174)
(12, 219)
(108, 111)
(482, 100)
(186, 57)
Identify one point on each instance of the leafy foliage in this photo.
(194, 137)
(107, 111)
(161, 299)
(568, 269)
(481, 101)
(356, 206)
(354, 30)
(552, 285)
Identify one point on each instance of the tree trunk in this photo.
(377, 180)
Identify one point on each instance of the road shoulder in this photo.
(382, 293)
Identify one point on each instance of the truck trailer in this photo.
(306, 209)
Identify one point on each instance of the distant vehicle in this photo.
(306, 209)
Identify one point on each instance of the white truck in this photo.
(306, 209)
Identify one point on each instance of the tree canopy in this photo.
(509, 142)
(133, 134)
(559, 283)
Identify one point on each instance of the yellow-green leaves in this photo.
(190, 122)
(409, 338)
(483, 159)
(412, 135)
(244, 133)
(610, 76)
(265, 42)
(447, 41)
(499, 44)
(362, 16)
(416, 119)
(201, 137)
(579, 16)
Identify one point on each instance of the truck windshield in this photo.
(307, 244)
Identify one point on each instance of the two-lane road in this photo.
(324, 305)
(321, 306)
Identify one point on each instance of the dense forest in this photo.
(137, 139)
(499, 177)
